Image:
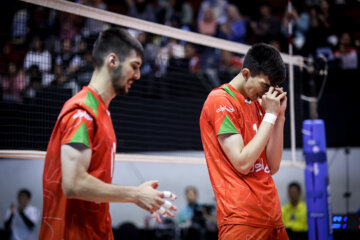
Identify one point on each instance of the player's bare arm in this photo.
(78, 184)
(243, 157)
(274, 148)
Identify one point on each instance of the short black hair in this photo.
(24, 191)
(115, 40)
(265, 59)
(295, 184)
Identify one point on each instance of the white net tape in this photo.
(134, 158)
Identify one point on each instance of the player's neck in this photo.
(238, 83)
(100, 84)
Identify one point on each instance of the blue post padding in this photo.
(314, 136)
(315, 157)
(317, 181)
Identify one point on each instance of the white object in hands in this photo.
(168, 194)
(167, 204)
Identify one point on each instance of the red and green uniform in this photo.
(247, 200)
(83, 119)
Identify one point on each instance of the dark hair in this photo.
(265, 59)
(191, 188)
(115, 40)
(295, 184)
(24, 191)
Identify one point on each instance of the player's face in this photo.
(257, 86)
(126, 73)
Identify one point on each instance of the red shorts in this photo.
(234, 232)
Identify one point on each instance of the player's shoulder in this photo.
(85, 100)
(219, 94)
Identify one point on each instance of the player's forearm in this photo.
(251, 152)
(274, 148)
(87, 187)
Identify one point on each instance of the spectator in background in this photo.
(13, 83)
(38, 56)
(42, 22)
(61, 81)
(59, 76)
(324, 16)
(234, 29)
(300, 21)
(188, 212)
(267, 28)
(67, 28)
(150, 52)
(276, 44)
(230, 66)
(320, 26)
(21, 220)
(294, 212)
(219, 8)
(9, 54)
(208, 23)
(66, 54)
(84, 72)
(173, 50)
(141, 9)
(194, 218)
(20, 26)
(34, 79)
(69, 25)
(194, 59)
(93, 27)
(346, 54)
(79, 57)
(180, 9)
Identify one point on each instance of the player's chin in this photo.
(122, 91)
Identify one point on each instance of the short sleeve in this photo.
(77, 127)
(225, 116)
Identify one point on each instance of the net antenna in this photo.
(291, 86)
(196, 38)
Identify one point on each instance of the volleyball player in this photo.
(243, 142)
(79, 163)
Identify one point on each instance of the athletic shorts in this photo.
(244, 232)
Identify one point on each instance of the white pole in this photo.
(291, 87)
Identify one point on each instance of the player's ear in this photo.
(112, 60)
(246, 73)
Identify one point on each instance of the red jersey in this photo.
(83, 119)
(250, 199)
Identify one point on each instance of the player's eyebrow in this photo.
(136, 62)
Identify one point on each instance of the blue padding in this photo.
(315, 157)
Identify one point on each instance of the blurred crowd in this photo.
(43, 48)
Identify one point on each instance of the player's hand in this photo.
(148, 198)
(270, 101)
(166, 208)
(283, 102)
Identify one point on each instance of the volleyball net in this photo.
(161, 112)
